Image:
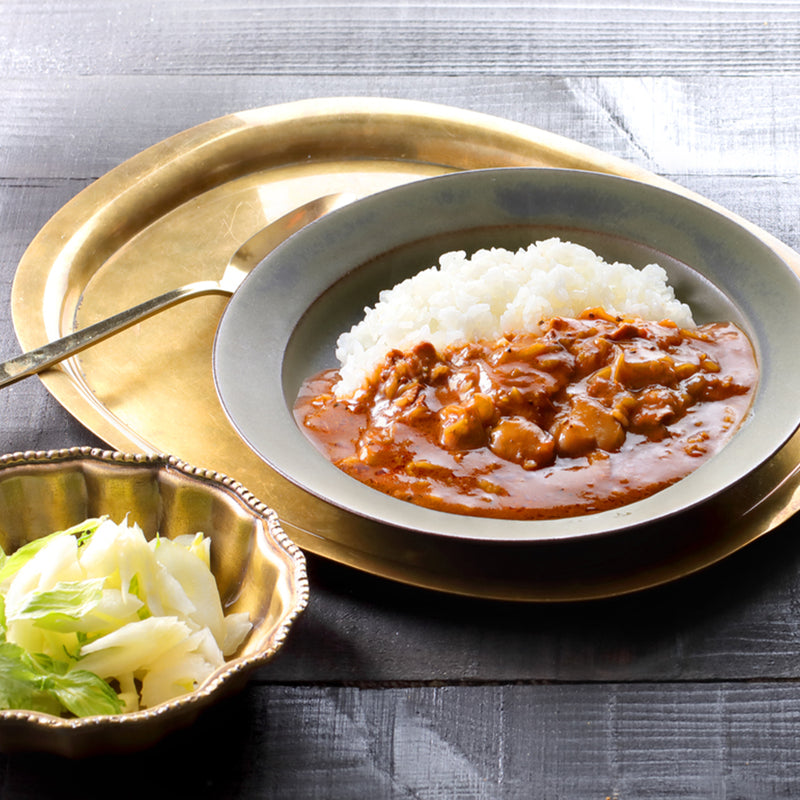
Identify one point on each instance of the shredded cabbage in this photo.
(98, 620)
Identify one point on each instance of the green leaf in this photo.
(42, 684)
(21, 682)
(66, 602)
(14, 664)
(85, 694)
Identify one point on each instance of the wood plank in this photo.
(30, 418)
(378, 38)
(560, 741)
(82, 126)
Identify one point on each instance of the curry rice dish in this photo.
(532, 385)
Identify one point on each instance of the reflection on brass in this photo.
(257, 568)
(241, 263)
(173, 214)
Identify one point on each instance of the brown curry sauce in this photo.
(588, 415)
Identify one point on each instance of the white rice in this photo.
(495, 292)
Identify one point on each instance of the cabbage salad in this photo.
(97, 620)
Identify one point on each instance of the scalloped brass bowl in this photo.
(257, 568)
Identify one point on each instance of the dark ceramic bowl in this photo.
(281, 325)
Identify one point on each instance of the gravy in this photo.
(591, 414)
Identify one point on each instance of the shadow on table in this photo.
(736, 619)
(204, 760)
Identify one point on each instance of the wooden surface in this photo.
(690, 691)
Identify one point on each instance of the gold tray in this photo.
(174, 214)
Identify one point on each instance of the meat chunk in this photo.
(644, 365)
(655, 409)
(588, 426)
(464, 425)
(523, 442)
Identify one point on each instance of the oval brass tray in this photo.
(176, 211)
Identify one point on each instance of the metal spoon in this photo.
(240, 264)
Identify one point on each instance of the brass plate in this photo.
(176, 211)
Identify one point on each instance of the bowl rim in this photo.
(233, 668)
(338, 489)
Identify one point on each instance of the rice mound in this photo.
(498, 291)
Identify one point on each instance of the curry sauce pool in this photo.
(594, 413)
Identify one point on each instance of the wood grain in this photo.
(75, 126)
(649, 742)
(378, 38)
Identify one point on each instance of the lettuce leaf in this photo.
(85, 694)
(46, 685)
(67, 601)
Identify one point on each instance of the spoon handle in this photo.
(35, 361)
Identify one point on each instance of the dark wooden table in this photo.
(688, 691)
